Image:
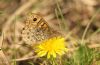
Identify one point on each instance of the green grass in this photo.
(62, 22)
(82, 56)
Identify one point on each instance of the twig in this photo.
(27, 58)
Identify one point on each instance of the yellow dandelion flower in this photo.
(51, 47)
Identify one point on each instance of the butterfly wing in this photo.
(36, 29)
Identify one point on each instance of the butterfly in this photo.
(36, 29)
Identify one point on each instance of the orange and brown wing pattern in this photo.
(36, 29)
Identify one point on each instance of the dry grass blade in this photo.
(87, 27)
(3, 58)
